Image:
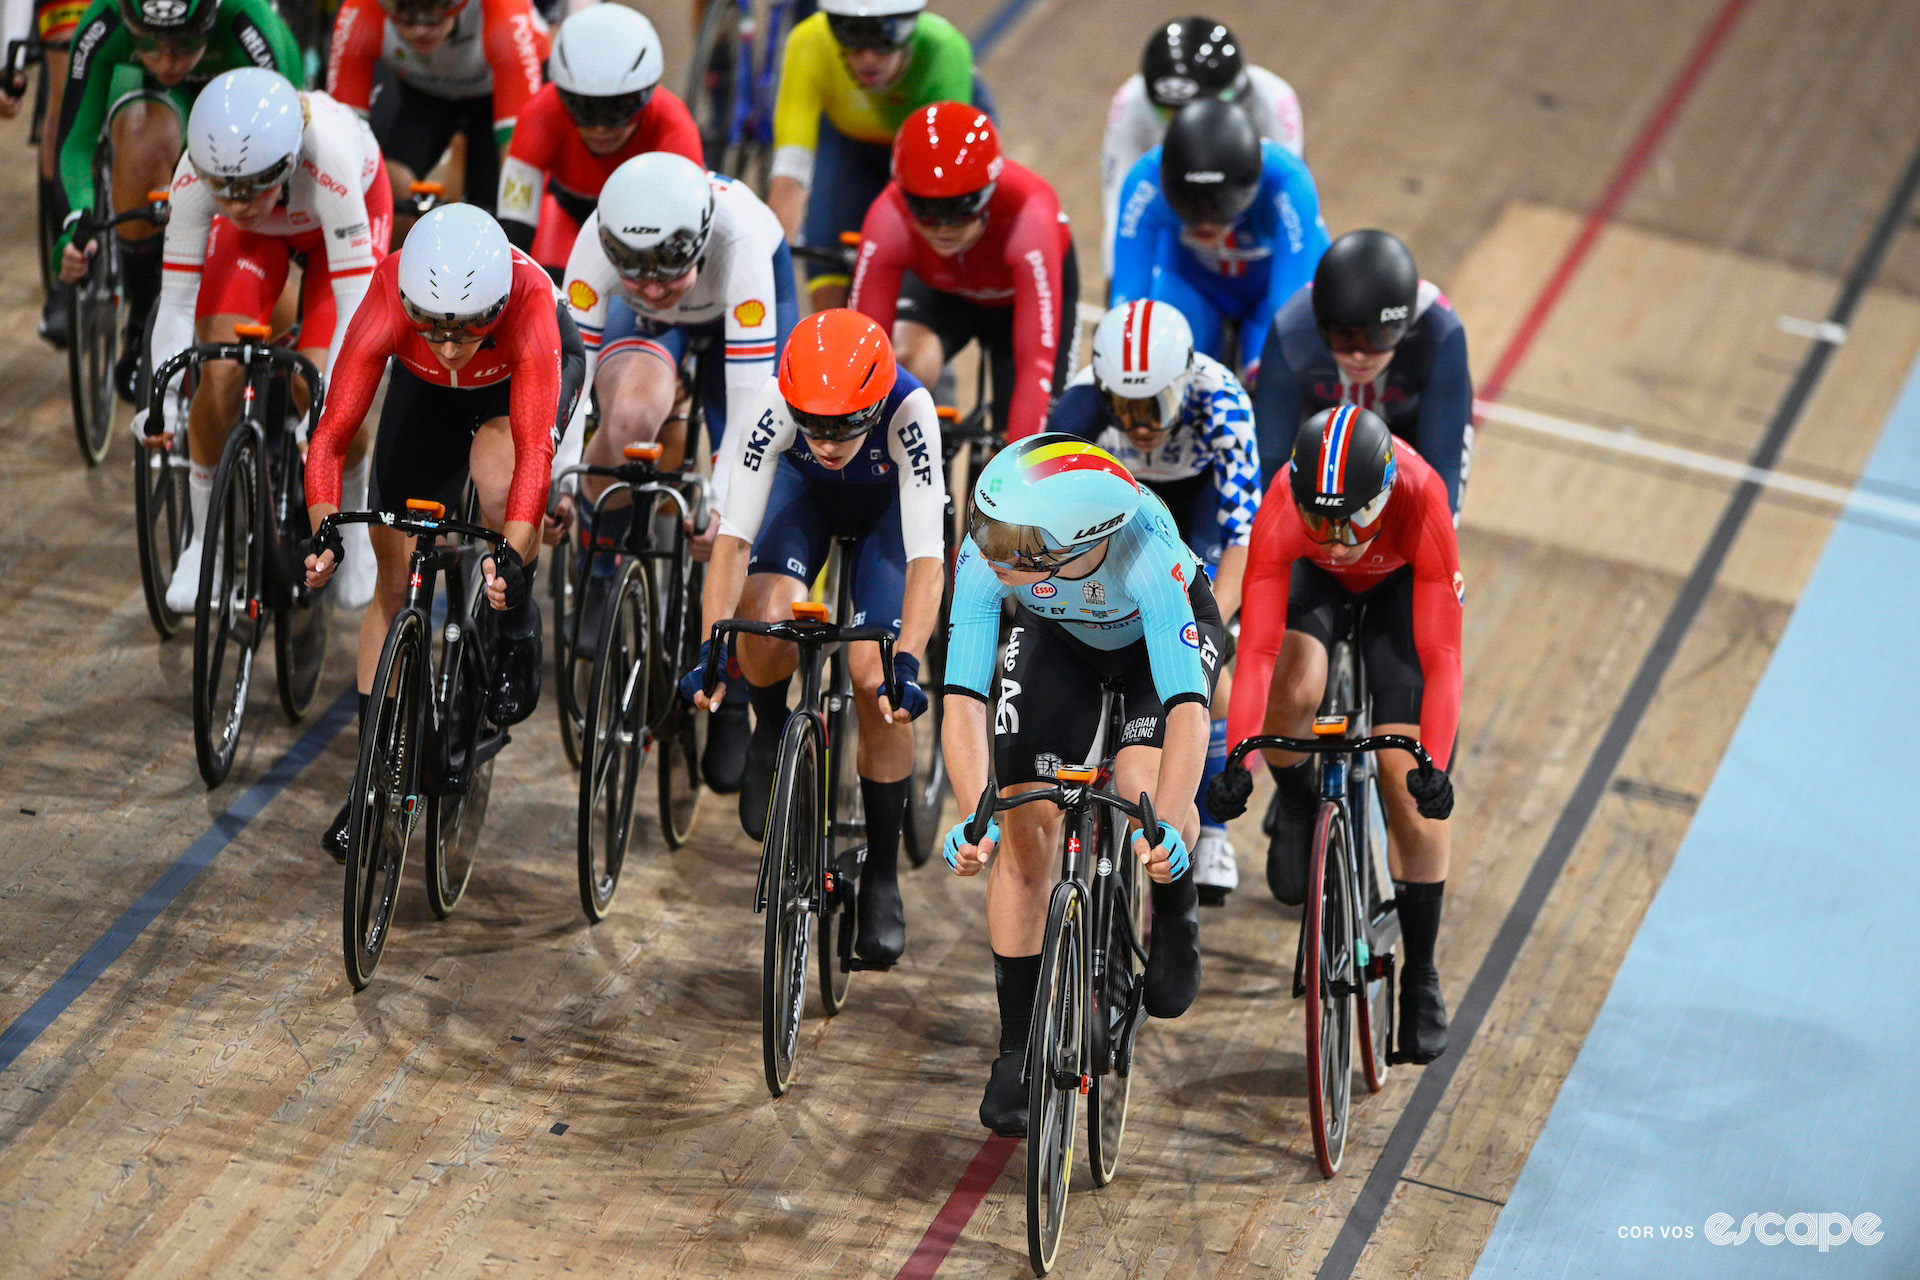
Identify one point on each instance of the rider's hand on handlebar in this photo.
(692, 684)
(558, 521)
(322, 554)
(1432, 791)
(73, 262)
(1227, 794)
(506, 578)
(701, 540)
(9, 102)
(913, 699)
(970, 859)
(1166, 861)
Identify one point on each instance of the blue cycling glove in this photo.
(1176, 847)
(695, 680)
(958, 837)
(913, 699)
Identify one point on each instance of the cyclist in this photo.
(270, 172)
(1360, 518)
(841, 444)
(1186, 59)
(604, 107)
(485, 368)
(851, 75)
(1221, 223)
(1370, 332)
(424, 71)
(136, 69)
(965, 245)
(1180, 422)
(52, 23)
(1104, 591)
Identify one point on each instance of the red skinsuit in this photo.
(508, 57)
(1417, 529)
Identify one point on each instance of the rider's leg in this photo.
(146, 145)
(768, 666)
(413, 130)
(391, 549)
(490, 463)
(848, 175)
(353, 587)
(919, 351)
(480, 176)
(886, 749)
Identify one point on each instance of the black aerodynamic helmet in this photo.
(1342, 475)
(1364, 292)
(1210, 162)
(1192, 58)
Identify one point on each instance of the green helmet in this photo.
(169, 19)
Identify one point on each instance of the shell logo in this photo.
(750, 313)
(580, 296)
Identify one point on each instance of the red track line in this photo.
(981, 1174)
(1631, 166)
(991, 1159)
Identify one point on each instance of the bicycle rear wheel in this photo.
(612, 748)
(1054, 1072)
(681, 733)
(562, 581)
(385, 799)
(716, 81)
(94, 343)
(227, 617)
(1119, 925)
(1330, 981)
(162, 526)
(790, 869)
(455, 816)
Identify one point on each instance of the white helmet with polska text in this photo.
(244, 132)
(1143, 362)
(456, 273)
(606, 62)
(656, 215)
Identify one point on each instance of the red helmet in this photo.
(836, 373)
(946, 160)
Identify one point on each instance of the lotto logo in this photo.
(1190, 636)
(1044, 590)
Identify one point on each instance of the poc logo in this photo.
(1390, 314)
(1826, 1230)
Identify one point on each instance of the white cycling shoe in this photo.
(183, 593)
(353, 585)
(1216, 871)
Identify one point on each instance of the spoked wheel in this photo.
(163, 525)
(1123, 929)
(456, 816)
(1054, 1072)
(927, 798)
(790, 867)
(385, 801)
(94, 307)
(562, 569)
(614, 744)
(1330, 977)
(680, 738)
(229, 617)
(716, 82)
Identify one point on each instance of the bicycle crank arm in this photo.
(1130, 1022)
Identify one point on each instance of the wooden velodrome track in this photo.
(1622, 200)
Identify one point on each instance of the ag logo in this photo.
(580, 295)
(163, 10)
(750, 313)
(1044, 590)
(1190, 636)
(1460, 586)
(1175, 90)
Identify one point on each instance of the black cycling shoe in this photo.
(56, 318)
(1173, 962)
(126, 373)
(1423, 1017)
(756, 781)
(1004, 1108)
(334, 838)
(882, 938)
(725, 758)
(517, 691)
(592, 616)
(1289, 828)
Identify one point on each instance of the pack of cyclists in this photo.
(1272, 427)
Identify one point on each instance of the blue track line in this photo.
(996, 27)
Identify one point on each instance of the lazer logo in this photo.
(1095, 530)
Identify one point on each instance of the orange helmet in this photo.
(836, 373)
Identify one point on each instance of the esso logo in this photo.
(1190, 636)
(1389, 314)
(1045, 590)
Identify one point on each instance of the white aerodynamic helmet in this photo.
(456, 272)
(656, 214)
(1143, 361)
(244, 132)
(606, 61)
(872, 24)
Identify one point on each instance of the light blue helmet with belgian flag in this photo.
(1050, 498)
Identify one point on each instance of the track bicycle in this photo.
(733, 79)
(815, 842)
(22, 54)
(1349, 924)
(250, 570)
(426, 746)
(648, 633)
(1089, 1003)
(93, 341)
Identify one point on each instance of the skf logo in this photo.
(750, 313)
(758, 439)
(1460, 587)
(580, 295)
(1044, 590)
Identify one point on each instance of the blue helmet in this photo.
(1049, 499)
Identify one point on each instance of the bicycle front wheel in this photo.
(227, 617)
(790, 869)
(680, 735)
(612, 748)
(927, 796)
(563, 583)
(1119, 925)
(718, 76)
(1054, 1072)
(456, 814)
(1330, 982)
(162, 525)
(92, 346)
(385, 800)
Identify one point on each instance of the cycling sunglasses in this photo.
(415, 16)
(179, 43)
(949, 211)
(437, 329)
(836, 427)
(605, 113)
(1038, 559)
(662, 263)
(875, 35)
(241, 188)
(1363, 528)
(1367, 339)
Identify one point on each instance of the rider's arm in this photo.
(941, 66)
(101, 44)
(1035, 255)
(1301, 239)
(796, 120)
(357, 35)
(1276, 110)
(751, 324)
(523, 173)
(1276, 407)
(1131, 133)
(884, 250)
(516, 49)
(590, 281)
(339, 148)
(1438, 600)
(530, 334)
(1079, 413)
(1444, 436)
(1236, 478)
(350, 391)
(913, 440)
(742, 482)
(1157, 579)
(183, 253)
(1136, 238)
(257, 33)
(973, 636)
(1263, 611)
